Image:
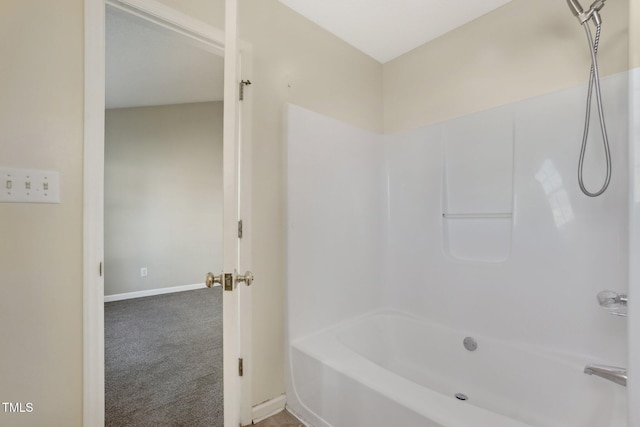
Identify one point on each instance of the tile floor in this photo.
(281, 419)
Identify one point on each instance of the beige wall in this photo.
(634, 33)
(41, 114)
(209, 11)
(523, 49)
(163, 196)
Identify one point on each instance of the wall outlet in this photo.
(143, 272)
(29, 186)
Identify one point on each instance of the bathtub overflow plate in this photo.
(470, 344)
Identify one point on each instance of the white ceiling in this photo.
(148, 65)
(385, 29)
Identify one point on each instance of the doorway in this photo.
(236, 189)
(163, 205)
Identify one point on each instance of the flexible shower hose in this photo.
(594, 80)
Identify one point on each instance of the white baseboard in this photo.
(268, 408)
(151, 292)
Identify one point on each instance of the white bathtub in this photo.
(389, 369)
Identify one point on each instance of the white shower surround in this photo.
(366, 233)
(633, 384)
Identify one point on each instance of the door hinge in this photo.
(240, 229)
(240, 367)
(100, 269)
(243, 83)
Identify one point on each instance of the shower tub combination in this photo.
(387, 369)
(400, 247)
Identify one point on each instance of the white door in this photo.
(244, 250)
(236, 322)
(237, 195)
(230, 300)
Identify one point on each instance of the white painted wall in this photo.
(163, 196)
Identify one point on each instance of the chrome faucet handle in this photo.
(611, 299)
(613, 302)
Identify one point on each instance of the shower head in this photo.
(592, 13)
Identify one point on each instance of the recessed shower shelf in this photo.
(490, 215)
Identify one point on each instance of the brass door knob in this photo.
(247, 278)
(212, 279)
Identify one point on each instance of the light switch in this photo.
(29, 186)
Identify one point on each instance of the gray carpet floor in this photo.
(163, 360)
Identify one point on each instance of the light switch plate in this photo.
(29, 186)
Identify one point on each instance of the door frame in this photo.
(237, 135)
